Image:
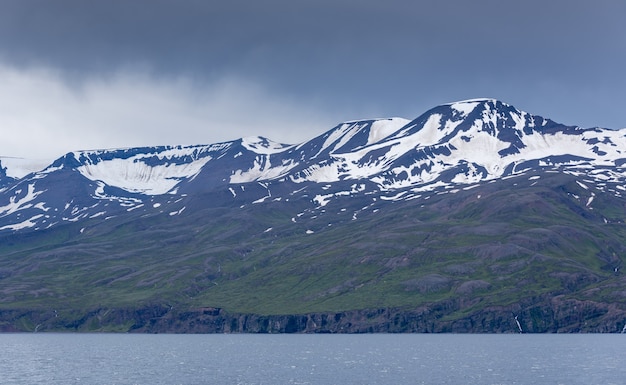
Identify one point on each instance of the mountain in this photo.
(475, 216)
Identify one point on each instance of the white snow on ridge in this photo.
(474, 100)
(134, 175)
(318, 173)
(384, 127)
(139, 177)
(465, 107)
(429, 134)
(163, 152)
(476, 146)
(260, 145)
(395, 154)
(342, 136)
(379, 130)
(519, 120)
(343, 133)
(262, 169)
(472, 176)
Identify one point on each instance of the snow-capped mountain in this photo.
(450, 147)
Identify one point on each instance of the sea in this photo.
(46, 358)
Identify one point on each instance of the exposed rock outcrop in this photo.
(541, 315)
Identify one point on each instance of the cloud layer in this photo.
(93, 74)
(43, 116)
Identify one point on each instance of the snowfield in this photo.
(452, 147)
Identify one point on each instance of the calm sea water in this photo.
(312, 359)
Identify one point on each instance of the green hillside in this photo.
(467, 261)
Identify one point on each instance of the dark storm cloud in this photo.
(203, 36)
(353, 59)
(209, 36)
(293, 39)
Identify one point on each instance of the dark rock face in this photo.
(5, 180)
(541, 315)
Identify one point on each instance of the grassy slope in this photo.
(514, 241)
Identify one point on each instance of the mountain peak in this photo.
(450, 146)
(262, 145)
(488, 115)
(474, 101)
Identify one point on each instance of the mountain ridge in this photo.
(448, 146)
(461, 219)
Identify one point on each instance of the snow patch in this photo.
(322, 200)
(262, 169)
(23, 225)
(16, 203)
(134, 207)
(260, 145)
(465, 107)
(134, 174)
(177, 212)
(383, 128)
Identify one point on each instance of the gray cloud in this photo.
(349, 59)
(42, 117)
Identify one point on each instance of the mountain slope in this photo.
(473, 217)
(462, 143)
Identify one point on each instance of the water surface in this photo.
(312, 359)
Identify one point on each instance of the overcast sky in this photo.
(77, 74)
